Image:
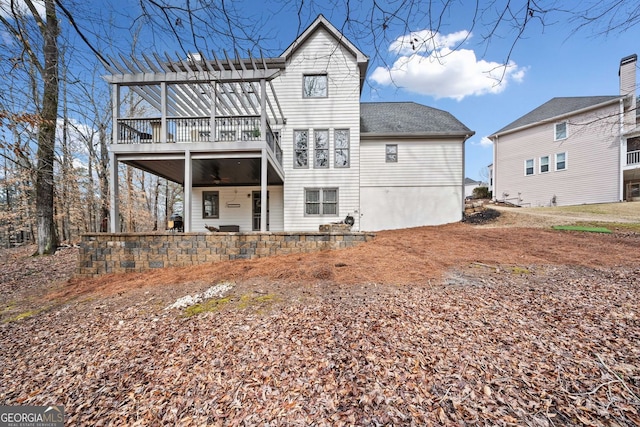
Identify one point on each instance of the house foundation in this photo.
(106, 253)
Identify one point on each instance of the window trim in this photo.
(216, 205)
(387, 159)
(555, 131)
(335, 148)
(295, 149)
(321, 201)
(547, 165)
(316, 150)
(326, 85)
(566, 161)
(533, 167)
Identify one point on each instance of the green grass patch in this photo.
(207, 306)
(22, 316)
(582, 228)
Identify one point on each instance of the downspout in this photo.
(621, 153)
(463, 176)
(494, 168)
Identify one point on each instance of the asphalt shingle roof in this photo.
(557, 107)
(408, 118)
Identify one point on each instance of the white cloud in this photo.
(433, 64)
(484, 142)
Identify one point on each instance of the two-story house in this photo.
(572, 150)
(284, 143)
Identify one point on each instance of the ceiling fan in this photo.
(217, 179)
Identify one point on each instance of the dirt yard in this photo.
(506, 323)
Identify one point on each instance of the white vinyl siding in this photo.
(580, 182)
(236, 208)
(340, 110)
(424, 186)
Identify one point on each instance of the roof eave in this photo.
(416, 135)
(556, 118)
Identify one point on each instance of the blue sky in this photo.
(549, 60)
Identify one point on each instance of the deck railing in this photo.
(197, 129)
(633, 157)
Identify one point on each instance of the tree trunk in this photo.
(47, 237)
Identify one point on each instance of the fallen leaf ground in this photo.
(451, 325)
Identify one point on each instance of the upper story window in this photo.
(561, 161)
(341, 142)
(300, 148)
(560, 131)
(321, 149)
(391, 153)
(210, 204)
(314, 86)
(528, 167)
(544, 164)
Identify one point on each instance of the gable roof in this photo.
(408, 119)
(556, 108)
(322, 22)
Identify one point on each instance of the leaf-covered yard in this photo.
(452, 325)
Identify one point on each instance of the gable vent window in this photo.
(314, 86)
(561, 131)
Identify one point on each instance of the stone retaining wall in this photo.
(102, 253)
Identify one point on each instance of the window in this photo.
(321, 149)
(561, 161)
(321, 201)
(528, 167)
(544, 164)
(314, 86)
(210, 204)
(391, 153)
(301, 148)
(341, 141)
(561, 131)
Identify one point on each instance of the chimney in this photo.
(627, 75)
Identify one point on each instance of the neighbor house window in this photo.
(314, 86)
(321, 201)
(321, 149)
(301, 148)
(561, 161)
(561, 131)
(528, 167)
(391, 153)
(210, 204)
(341, 141)
(544, 164)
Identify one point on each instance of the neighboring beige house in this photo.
(284, 143)
(572, 150)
